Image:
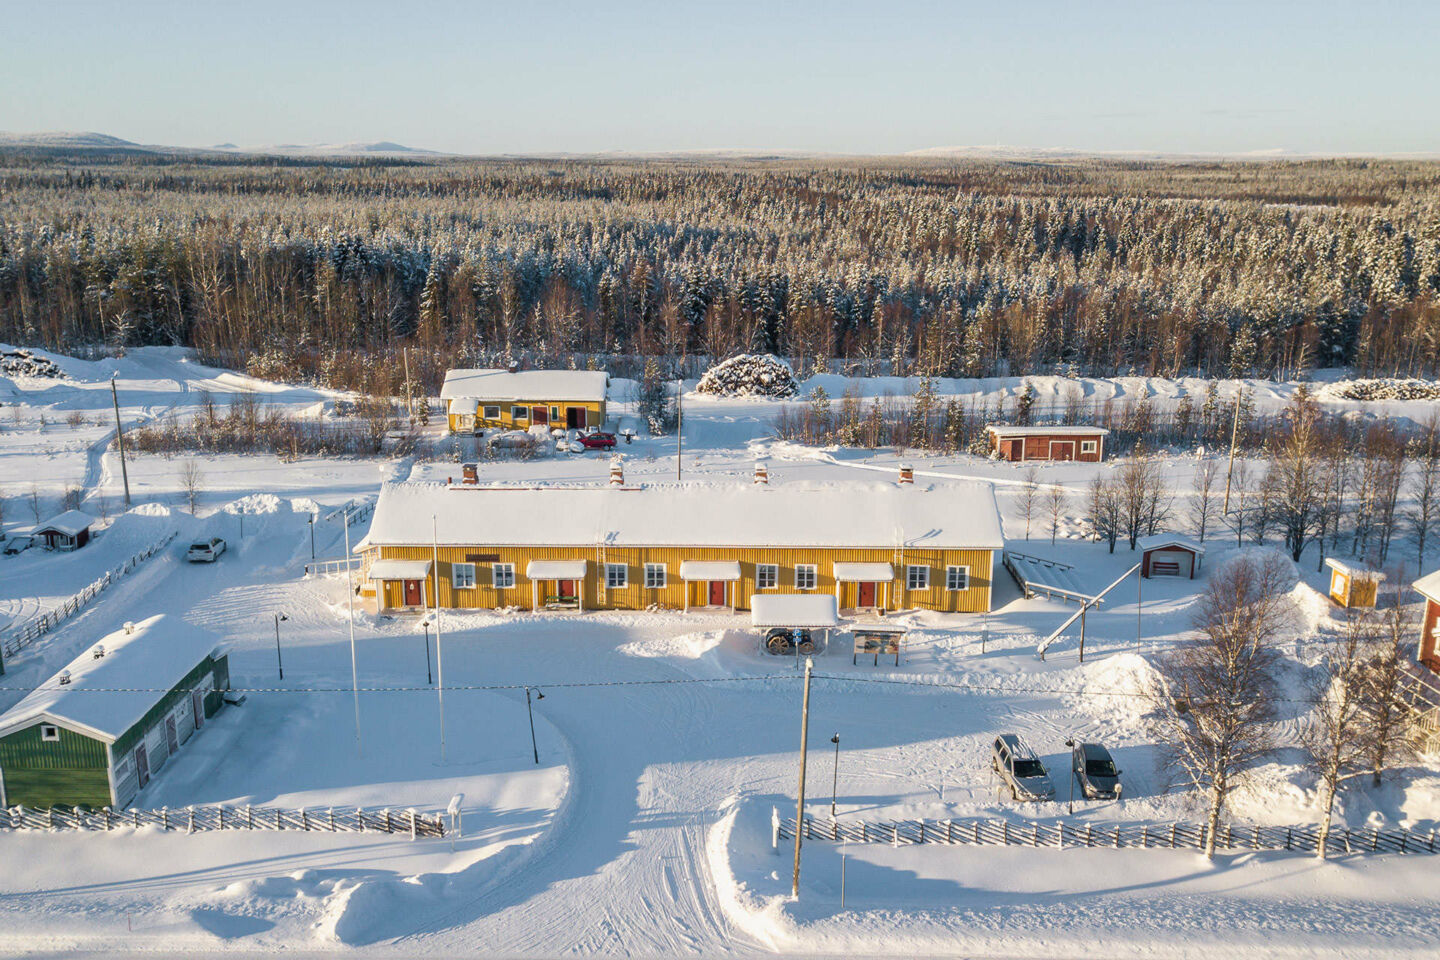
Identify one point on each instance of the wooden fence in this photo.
(211, 818)
(1169, 835)
(37, 627)
(325, 568)
(355, 510)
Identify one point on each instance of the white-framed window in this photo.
(519, 413)
(957, 578)
(123, 767)
(556, 414)
(502, 575)
(654, 575)
(617, 575)
(49, 732)
(767, 576)
(805, 576)
(917, 577)
(1089, 446)
(492, 412)
(462, 576)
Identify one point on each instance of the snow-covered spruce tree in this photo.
(750, 375)
(657, 407)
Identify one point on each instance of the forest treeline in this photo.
(942, 268)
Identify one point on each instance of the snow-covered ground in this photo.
(664, 739)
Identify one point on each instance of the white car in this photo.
(205, 551)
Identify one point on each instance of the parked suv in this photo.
(205, 551)
(1020, 769)
(1093, 767)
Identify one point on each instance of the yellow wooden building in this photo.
(521, 399)
(874, 546)
(1353, 585)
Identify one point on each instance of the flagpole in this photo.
(350, 600)
(439, 647)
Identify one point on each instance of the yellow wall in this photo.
(636, 596)
(594, 418)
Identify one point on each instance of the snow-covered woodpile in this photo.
(750, 375)
(1385, 389)
(23, 363)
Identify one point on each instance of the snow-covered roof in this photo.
(525, 385)
(399, 569)
(464, 405)
(794, 610)
(863, 572)
(958, 515)
(70, 523)
(108, 695)
(1158, 541)
(1047, 430)
(555, 569)
(709, 570)
(1429, 586)
(1354, 571)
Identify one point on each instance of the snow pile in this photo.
(750, 375)
(23, 363)
(1383, 389)
(1121, 686)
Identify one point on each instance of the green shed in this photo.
(98, 731)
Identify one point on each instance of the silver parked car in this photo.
(205, 551)
(1020, 769)
(1092, 765)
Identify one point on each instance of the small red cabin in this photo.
(1051, 442)
(1166, 555)
(1428, 651)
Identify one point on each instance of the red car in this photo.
(598, 440)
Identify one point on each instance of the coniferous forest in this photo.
(324, 270)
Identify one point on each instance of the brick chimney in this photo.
(907, 473)
(617, 473)
(470, 473)
(762, 473)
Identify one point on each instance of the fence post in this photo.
(1404, 840)
(1144, 836)
(412, 823)
(1005, 831)
(1374, 839)
(834, 829)
(107, 818)
(922, 830)
(331, 815)
(1117, 836)
(894, 833)
(360, 819)
(1432, 839)
(950, 831)
(1089, 834)
(249, 817)
(1347, 839)
(774, 829)
(304, 820)
(977, 832)
(864, 832)
(1060, 835)
(190, 827)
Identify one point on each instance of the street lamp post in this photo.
(534, 748)
(311, 521)
(835, 779)
(279, 662)
(1071, 745)
(429, 678)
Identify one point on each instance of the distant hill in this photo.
(69, 142)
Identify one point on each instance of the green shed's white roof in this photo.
(108, 695)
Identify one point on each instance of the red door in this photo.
(867, 593)
(575, 418)
(1062, 449)
(717, 593)
(540, 415)
(142, 765)
(567, 589)
(412, 593)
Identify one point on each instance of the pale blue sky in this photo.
(879, 77)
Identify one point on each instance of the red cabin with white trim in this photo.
(1050, 442)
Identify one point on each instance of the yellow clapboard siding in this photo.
(634, 595)
(459, 423)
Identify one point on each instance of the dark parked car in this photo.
(1020, 769)
(1095, 769)
(780, 640)
(599, 440)
(18, 545)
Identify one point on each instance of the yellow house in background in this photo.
(521, 399)
(682, 546)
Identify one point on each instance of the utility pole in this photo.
(350, 600)
(530, 711)
(120, 438)
(1234, 438)
(1071, 745)
(800, 802)
(679, 421)
(1083, 607)
(311, 522)
(439, 648)
(835, 780)
(429, 677)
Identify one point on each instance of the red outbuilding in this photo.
(1051, 442)
(1168, 555)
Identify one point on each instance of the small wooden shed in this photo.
(1048, 442)
(1428, 650)
(1169, 555)
(68, 531)
(1353, 585)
